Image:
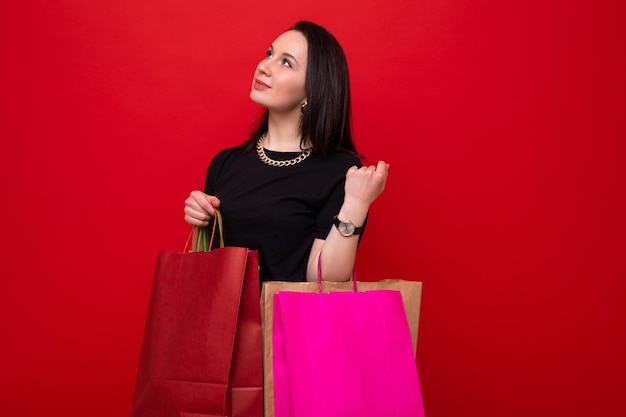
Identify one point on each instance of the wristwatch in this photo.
(346, 227)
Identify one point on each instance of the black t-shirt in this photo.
(278, 211)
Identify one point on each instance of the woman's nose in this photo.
(264, 67)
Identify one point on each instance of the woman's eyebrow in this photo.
(287, 54)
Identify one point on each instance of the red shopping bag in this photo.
(201, 352)
(343, 354)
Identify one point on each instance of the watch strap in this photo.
(357, 230)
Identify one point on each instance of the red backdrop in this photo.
(503, 125)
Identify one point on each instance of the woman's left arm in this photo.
(363, 186)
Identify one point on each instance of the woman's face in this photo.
(279, 79)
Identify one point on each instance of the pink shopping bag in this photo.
(343, 354)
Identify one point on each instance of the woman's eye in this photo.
(286, 63)
(268, 54)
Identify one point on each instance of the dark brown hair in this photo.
(327, 119)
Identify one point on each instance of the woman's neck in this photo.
(283, 134)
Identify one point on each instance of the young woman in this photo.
(296, 189)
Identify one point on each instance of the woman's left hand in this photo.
(365, 184)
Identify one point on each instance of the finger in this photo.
(193, 205)
(203, 202)
(215, 202)
(196, 213)
(382, 170)
(196, 218)
(194, 210)
(352, 171)
(195, 222)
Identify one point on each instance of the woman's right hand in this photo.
(200, 208)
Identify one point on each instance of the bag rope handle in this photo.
(319, 274)
(202, 235)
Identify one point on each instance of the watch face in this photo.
(346, 228)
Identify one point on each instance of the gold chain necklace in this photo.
(272, 162)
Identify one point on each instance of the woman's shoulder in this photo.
(224, 160)
(340, 160)
(227, 154)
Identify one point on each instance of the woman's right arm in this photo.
(200, 208)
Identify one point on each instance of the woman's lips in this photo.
(260, 85)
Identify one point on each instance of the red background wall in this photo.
(503, 124)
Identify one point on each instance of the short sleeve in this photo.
(330, 210)
(214, 170)
(335, 200)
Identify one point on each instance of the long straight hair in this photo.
(327, 118)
